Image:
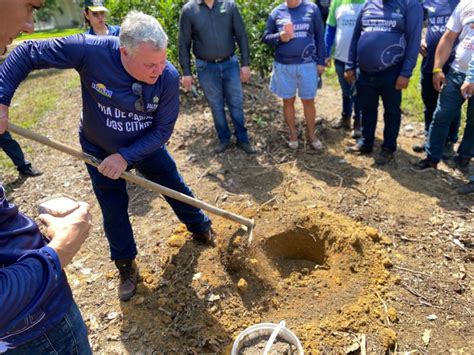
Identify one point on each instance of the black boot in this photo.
(128, 271)
(343, 122)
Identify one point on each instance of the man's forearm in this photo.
(445, 46)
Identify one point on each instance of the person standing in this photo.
(437, 13)
(212, 28)
(460, 28)
(94, 14)
(295, 30)
(384, 49)
(130, 97)
(13, 150)
(340, 27)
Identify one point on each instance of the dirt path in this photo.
(341, 247)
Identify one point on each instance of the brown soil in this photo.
(345, 252)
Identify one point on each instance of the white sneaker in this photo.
(317, 145)
(293, 144)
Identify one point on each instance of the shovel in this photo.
(89, 159)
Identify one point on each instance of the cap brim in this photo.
(98, 8)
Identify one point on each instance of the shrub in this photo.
(254, 13)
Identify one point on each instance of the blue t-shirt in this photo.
(387, 34)
(113, 31)
(110, 121)
(307, 45)
(34, 293)
(437, 13)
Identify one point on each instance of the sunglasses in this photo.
(137, 89)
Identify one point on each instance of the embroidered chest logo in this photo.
(102, 89)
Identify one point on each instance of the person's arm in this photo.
(443, 52)
(351, 64)
(319, 39)
(467, 88)
(331, 25)
(36, 274)
(184, 43)
(413, 27)
(61, 53)
(163, 123)
(241, 36)
(271, 36)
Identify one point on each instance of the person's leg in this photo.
(234, 97)
(210, 78)
(160, 167)
(448, 109)
(69, 336)
(368, 95)
(283, 84)
(13, 150)
(289, 114)
(346, 89)
(392, 99)
(307, 83)
(310, 117)
(466, 148)
(113, 200)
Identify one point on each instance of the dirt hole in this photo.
(298, 251)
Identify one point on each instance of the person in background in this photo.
(324, 8)
(212, 28)
(295, 30)
(467, 91)
(130, 104)
(94, 14)
(339, 29)
(384, 50)
(460, 27)
(437, 13)
(11, 148)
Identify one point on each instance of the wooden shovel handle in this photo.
(131, 177)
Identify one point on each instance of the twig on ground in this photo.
(385, 307)
(269, 201)
(341, 179)
(410, 270)
(202, 176)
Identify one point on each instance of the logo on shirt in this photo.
(102, 89)
(222, 8)
(156, 99)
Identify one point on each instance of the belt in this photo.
(217, 61)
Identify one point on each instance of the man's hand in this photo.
(423, 48)
(328, 61)
(3, 118)
(245, 74)
(113, 166)
(187, 81)
(438, 81)
(467, 90)
(68, 233)
(402, 82)
(321, 69)
(350, 76)
(284, 36)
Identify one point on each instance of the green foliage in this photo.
(254, 13)
(47, 10)
(55, 32)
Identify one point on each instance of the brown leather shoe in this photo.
(128, 271)
(208, 237)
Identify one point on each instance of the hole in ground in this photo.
(295, 251)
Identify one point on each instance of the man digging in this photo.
(130, 98)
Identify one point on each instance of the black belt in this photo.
(217, 61)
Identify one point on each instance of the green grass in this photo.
(51, 33)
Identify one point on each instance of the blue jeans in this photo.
(13, 150)
(221, 85)
(69, 336)
(349, 95)
(448, 111)
(370, 87)
(430, 100)
(113, 199)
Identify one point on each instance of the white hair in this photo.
(138, 28)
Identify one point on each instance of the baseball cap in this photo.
(95, 5)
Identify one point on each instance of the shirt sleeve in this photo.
(25, 284)
(454, 23)
(271, 35)
(329, 37)
(163, 123)
(184, 43)
(241, 36)
(352, 58)
(62, 53)
(414, 24)
(319, 36)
